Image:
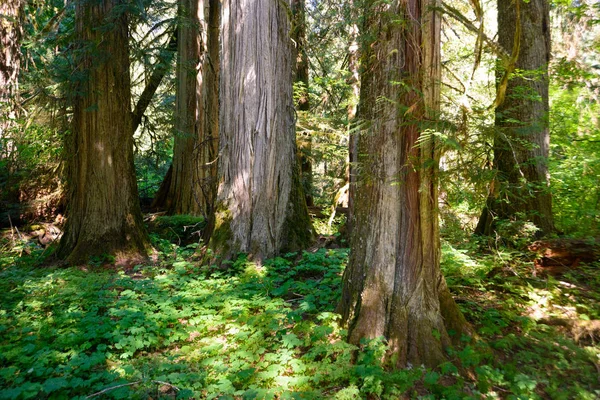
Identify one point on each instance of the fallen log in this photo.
(558, 255)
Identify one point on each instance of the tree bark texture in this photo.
(184, 188)
(354, 82)
(522, 138)
(209, 142)
(104, 216)
(261, 206)
(192, 188)
(301, 78)
(393, 287)
(11, 13)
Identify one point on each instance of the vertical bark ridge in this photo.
(208, 148)
(183, 192)
(393, 286)
(11, 14)
(522, 139)
(190, 186)
(104, 216)
(258, 173)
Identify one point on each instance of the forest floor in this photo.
(178, 329)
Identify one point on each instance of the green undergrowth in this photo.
(519, 313)
(179, 229)
(246, 331)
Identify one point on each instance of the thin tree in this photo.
(393, 286)
(520, 189)
(261, 208)
(103, 215)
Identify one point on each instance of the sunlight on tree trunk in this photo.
(393, 286)
(104, 217)
(522, 138)
(261, 207)
(192, 179)
(11, 13)
(354, 81)
(301, 78)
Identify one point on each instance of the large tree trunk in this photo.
(192, 188)
(208, 148)
(104, 216)
(354, 82)
(261, 206)
(522, 139)
(184, 192)
(301, 78)
(11, 12)
(393, 286)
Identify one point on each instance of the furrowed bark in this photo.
(192, 185)
(261, 207)
(11, 14)
(522, 140)
(393, 287)
(103, 215)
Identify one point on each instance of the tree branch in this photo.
(160, 70)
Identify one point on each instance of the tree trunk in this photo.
(301, 78)
(192, 187)
(184, 191)
(522, 139)
(393, 286)
(104, 217)
(261, 206)
(209, 143)
(11, 13)
(353, 128)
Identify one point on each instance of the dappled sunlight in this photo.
(261, 330)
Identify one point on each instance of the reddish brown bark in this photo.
(393, 287)
(103, 215)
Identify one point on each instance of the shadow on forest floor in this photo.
(179, 330)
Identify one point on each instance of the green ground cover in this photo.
(181, 330)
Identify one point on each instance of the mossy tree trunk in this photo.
(103, 215)
(193, 177)
(520, 190)
(393, 286)
(261, 207)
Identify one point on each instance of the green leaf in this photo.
(54, 384)
(431, 378)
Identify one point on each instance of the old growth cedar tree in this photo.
(104, 216)
(301, 79)
(261, 208)
(393, 286)
(354, 82)
(11, 12)
(522, 138)
(192, 180)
